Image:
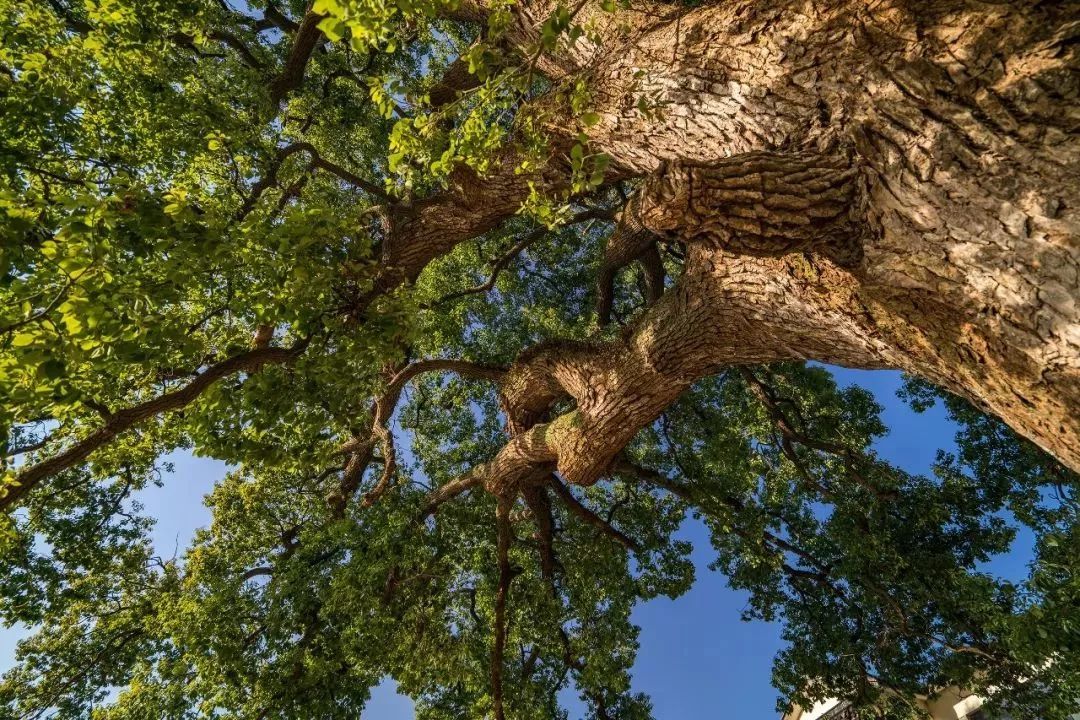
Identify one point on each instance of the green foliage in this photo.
(374, 24)
(158, 213)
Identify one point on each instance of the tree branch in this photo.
(305, 39)
(516, 249)
(536, 498)
(319, 161)
(456, 79)
(360, 448)
(53, 304)
(28, 447)
(122, 420)
(257, 572)
(447, 492)
(624, 466)
(631, 241)
(768, 398)
(273, 17)
(239, 46)
(589, 517)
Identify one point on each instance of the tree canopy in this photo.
(296, 236)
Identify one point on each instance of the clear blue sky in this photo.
(697, 659)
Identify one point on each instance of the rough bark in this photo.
(725, 310)
(426, 229)
(958, 124)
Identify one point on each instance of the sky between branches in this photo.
(696, 659)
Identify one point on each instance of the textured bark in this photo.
(761, 203)
(725, 310)
(455, 80)
(957, 125)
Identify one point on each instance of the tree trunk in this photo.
(933, 152)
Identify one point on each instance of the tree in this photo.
(600, 241)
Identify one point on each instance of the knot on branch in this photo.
(542, 375)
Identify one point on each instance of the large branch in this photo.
(447, 492)
(455, 80)
(631, 241)
(930, 313)
(725, 310)
(964, 182)
(473, 205)
(121, 420)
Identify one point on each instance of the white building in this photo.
(949, 704)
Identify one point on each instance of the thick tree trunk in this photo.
(952, 130)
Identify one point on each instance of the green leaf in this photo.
(333, 28)
(53, 368)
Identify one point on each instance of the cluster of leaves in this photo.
(135, 249)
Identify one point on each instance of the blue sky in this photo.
(697, 659)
